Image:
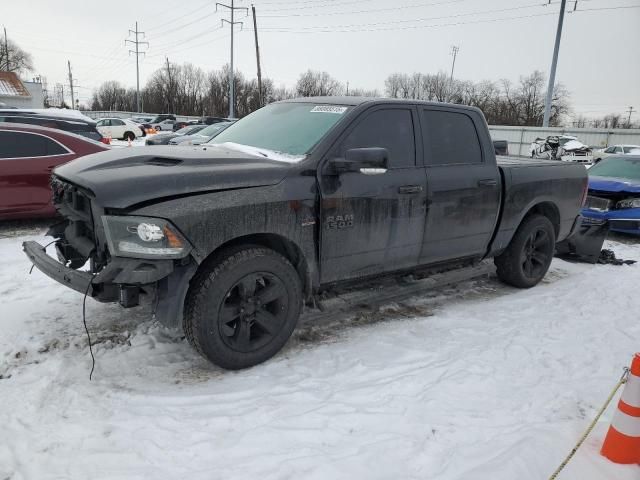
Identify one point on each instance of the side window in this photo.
(117, 123)
(450, 138)
(54, 148)
(618, 150)
(390, 128)
(22, 145)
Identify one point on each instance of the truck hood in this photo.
(614, 185)
(120, 178)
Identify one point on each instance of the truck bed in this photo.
(527, 182)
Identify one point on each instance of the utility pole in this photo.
(169, 87)
(6, 47)
(232, 9)
(554, 63)
(454, 51)
(73, 100)
(255, 33)
(629, 117)
(137, 52)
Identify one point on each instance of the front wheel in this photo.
(527, 258)
(241, 310)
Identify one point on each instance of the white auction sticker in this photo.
(329, 109)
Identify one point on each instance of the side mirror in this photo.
(369, 161)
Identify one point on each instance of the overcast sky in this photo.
(359, 41)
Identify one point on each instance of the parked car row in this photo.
(54, 118)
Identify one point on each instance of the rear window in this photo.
(450, 138)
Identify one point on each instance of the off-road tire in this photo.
(510, 263)
(210, 289)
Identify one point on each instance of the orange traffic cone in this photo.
(622, 443)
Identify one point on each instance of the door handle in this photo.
(487, 182)
(405, 189)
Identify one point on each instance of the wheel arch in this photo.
(279, 243)
(547, 209)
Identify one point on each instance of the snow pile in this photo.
(63, 113)
(476, 381)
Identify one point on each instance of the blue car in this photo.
(614, 194)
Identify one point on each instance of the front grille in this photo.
(79, 239)
(598, 204)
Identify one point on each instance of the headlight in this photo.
(143, 237)
(629, 203)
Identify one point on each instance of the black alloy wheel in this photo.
(535, 255)
(527, 258)
(242, 306)
(254, 310)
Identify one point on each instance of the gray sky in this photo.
(359, 41)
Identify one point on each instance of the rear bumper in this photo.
(585, 241)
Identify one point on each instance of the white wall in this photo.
(520, 138)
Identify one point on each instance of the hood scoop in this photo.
(163, 162)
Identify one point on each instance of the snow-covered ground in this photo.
(477, 381)
(138, 142)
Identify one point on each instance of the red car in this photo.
(28, 154)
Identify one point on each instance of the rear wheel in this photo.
(129, 136)
(241, 310)
(527, 258)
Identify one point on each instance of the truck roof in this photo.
(354, 101)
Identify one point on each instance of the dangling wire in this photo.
(84, 321)
(45, 247)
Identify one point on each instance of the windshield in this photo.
(188, 130)
(290, 128)
(214, 128)
(617, 167)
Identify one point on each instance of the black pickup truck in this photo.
(229, 240)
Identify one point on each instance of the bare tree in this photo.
(15, 59)
(314, 84)
(503, 104)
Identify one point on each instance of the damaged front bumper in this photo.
(123, 280)
(626, 220)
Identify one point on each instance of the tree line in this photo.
(188, 90)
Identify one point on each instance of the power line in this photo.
(174, 20)
(373, 10)
(137, 52)
(425, 19)
(408, 27)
